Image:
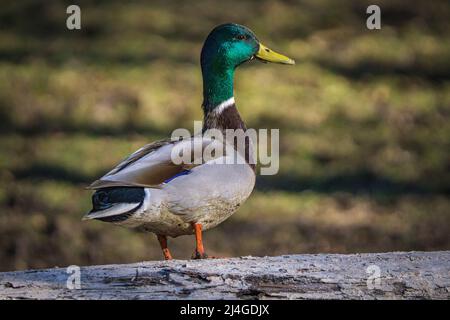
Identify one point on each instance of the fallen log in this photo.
(394, 275)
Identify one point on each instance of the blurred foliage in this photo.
(364, 119)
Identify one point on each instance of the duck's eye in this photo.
(241, 37)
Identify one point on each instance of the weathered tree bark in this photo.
(402, 275)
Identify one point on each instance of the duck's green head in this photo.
(226, 47)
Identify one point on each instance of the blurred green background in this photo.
(363, 117)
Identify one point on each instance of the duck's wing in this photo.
(149, 166)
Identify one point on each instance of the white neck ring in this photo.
(223, 105)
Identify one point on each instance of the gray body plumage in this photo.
(207, 193)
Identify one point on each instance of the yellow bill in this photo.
(269, 55)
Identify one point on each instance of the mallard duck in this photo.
(149, 192)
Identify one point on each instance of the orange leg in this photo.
(199, 250)
(163, 243)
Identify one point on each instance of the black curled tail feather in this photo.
(116, 204)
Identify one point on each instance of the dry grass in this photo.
(364, 121)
